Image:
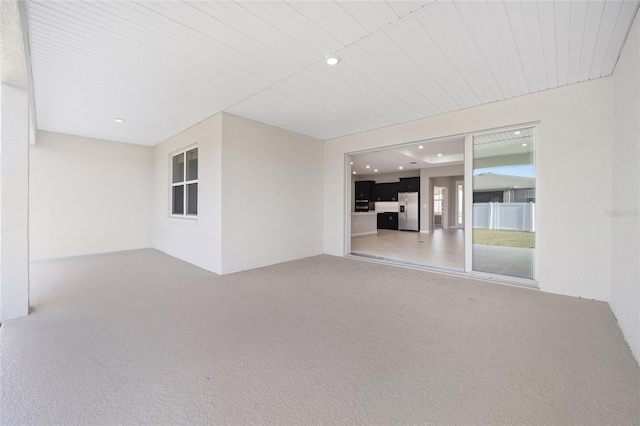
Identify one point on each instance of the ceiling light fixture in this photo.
(375, 170)
(119, 120)
(517, 132)
(332, 60)
(367, 167)
(354, 172)
(439, 155)
(524, 144)
(420, 147)
(400, 167)
(352, 163)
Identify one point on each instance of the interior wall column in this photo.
(14, 202)
(17, 130)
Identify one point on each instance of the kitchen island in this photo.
(364, 223)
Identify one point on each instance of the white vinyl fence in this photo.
(504, 216)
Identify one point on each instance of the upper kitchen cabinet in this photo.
(364, 190)
(385, 191)
(411, 184)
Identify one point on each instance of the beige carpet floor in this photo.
(140, 337)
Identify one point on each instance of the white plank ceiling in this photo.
(166, 65)
(517, 141)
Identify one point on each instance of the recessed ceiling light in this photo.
(524, 144)
(354, 172)
(400, 167)
(420, 147)
(119, 120)
(367, 167)
(332, 60)
(439, 155)
(517, 132)
(375, 170)
(352, 163)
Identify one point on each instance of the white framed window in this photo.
(184, 183)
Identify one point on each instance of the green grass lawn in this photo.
(504, 238)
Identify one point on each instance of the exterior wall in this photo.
(88, 196)
(272, 194)
(573, 241)
(625, 191)
(14, 202)
(197, 241)
(16, 124)
(259, 196)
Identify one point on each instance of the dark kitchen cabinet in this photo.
(411, 184)
(388, 220)
(385, 191)
(364, 190)
(393, 220)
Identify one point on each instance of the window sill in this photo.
(183, 220)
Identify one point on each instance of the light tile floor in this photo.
(442, 248)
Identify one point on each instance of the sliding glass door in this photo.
(504, 203)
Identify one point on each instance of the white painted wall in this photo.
(573, 231)
(259, 196)
(14, 202)
(15, 124)
(452, 199)
(625, 191)
(197, 241)
(272, 194)
(88, 196)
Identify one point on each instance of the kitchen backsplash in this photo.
(386, 206)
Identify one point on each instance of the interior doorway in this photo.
(439, 207)
(402, 208)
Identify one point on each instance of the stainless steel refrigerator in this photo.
(408, 211)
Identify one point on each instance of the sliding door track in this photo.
(397, 262)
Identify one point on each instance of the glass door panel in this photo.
(504, 203)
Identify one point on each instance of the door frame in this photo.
(468, 219)
(468, 203)
(467, 208)
(444, 220)
(458, 204)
